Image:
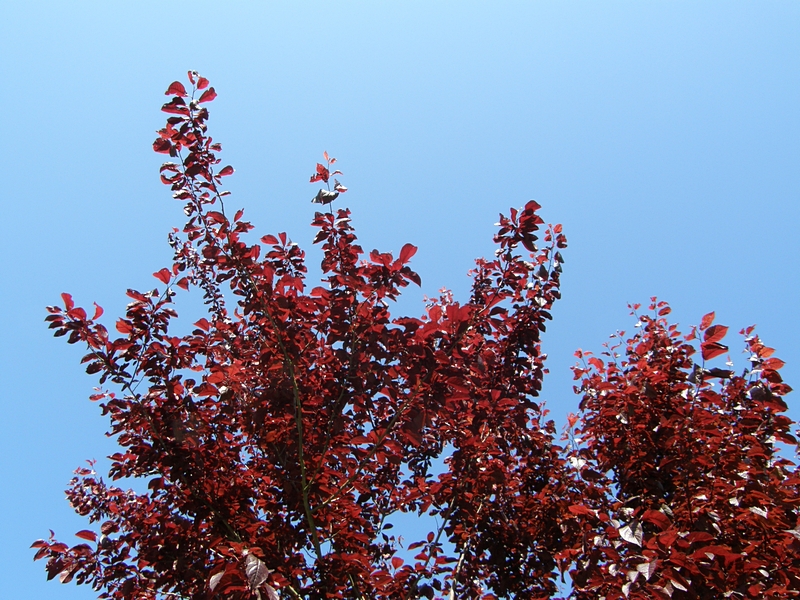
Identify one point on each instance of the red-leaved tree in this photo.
(279, 438)
(282, 434)
(697, 501)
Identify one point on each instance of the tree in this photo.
(698, 502)
(281, 435)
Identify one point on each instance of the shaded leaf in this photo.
(257, 572)
(632, 532)
(714, 333)
(712, 350)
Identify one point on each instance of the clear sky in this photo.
(663, 135)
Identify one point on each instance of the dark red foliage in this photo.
(698, 501)
(281, 436)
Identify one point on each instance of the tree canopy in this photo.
(281, 435)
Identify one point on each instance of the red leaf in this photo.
(176, 89)
(208, 95)
(656, 517)
(183, 283)
(580, 509)
(773, 363)
(215, 216)
(85, 534)
(712, 349)
(531, 205)
(397, 562)
(77, 313)
(706, 321)
(98, 311)
(123, 326)
(68, 303)
(406, 253)
(162, 146)
(270, 239)
(226, 171)
(202, 83)
(59, 547)
(164, 275)
(714, 333)
(176, 106)
(325, 155)
(41, 553)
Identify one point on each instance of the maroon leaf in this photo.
(68, 303)
(658, 518)
(176, 89)
(207, 96)
(407, 251)
(98, 312)
(712, 350)
(176, 106)
(162, 146)
(580, 509)
(325, 197)
(86, 534)
(322, 172)
(270, 239)
(714, 333)
(164, 275)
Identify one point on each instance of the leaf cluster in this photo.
(280, 437)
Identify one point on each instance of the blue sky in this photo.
(663, 135)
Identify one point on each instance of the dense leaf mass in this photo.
(698, 501)
(282, 434)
